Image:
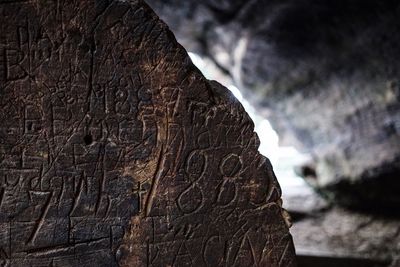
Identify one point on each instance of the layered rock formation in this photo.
(116, 151)
(325, 73)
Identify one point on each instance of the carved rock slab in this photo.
(324, 73)
(116, 151)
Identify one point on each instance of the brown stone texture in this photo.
(325, 73)
(116, 151)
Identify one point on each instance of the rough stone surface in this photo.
(303, 201)
(116, 151)
(325, 73)
(339, 233)
(332, 236)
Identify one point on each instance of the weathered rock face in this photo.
(328, 76)
(115, 150)
(339, 234)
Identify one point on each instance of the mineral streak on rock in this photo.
(116, 151)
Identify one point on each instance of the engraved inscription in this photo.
(116, 151)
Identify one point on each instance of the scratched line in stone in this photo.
(115, 151)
